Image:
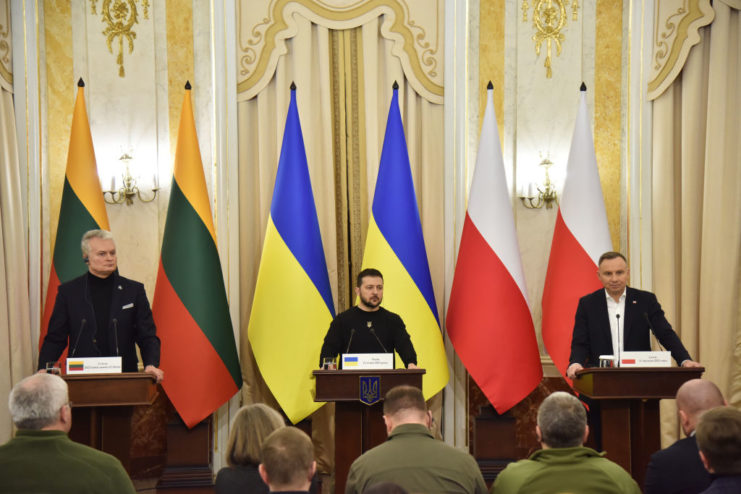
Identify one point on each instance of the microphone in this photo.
(619, 348)
(650, 326)
(82, 325)
(352, 333)
(115, 334)
(373, 332)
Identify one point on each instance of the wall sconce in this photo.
(546, 193)
(129, 189)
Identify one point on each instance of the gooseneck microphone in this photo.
(352, 333)
(650, 326)
(82, 325)
(115, 334)
(373, 332)
(620, 345)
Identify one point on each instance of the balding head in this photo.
(695, 397)
(40, 402)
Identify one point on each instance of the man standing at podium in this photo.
(102, 314)
(368, 327)
(619, 318)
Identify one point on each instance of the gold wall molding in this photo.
(6, 51)
(119, 17)
(416, 28)
(549, 18)
(675, 32)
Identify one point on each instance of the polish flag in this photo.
(488, 320)
(580, 237)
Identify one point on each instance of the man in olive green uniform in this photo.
(41, 457)
(564, 465)
(412, 457)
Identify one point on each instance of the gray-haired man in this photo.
(41, 458)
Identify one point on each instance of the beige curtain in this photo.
(344, 81)
(697, 205)
(15, 326)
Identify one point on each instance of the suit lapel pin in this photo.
(121, 288)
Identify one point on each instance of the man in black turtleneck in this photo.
(368, 327)
(102, 314)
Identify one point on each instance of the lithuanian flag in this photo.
(190, 309)
(82, 208)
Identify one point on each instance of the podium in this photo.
(629, 409)
(104, 405)
(358, 427)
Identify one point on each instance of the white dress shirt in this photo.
(618, 333)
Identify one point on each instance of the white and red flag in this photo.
(580, 237)
(488, 320)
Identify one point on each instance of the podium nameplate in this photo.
(367, 361)
(94, 365)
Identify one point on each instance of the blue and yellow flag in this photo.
(293, 303)
(395, 246)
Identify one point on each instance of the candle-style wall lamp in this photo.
(129, 188)
(539, 195)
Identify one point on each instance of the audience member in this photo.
(251, 425)
(678, 469)
(288, 461)
(385, 488)
(564, 464)
(412, 457)
(719, 440)
(41, 457)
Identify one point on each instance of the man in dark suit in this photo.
(102, 314)
(678, 468)
(619, 318)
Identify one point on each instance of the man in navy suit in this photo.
(102, 314)
(678, 468)
(619, 318)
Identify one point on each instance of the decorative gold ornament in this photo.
(549, 18)
(120, 17)
(538, 196)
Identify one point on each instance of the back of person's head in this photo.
(562, 421)
(385, 488)
(718, 436)
(35, 402)
(252, 424)
(287, 460)
(404, 399)
(698, 395)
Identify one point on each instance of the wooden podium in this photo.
(358, 427)
(629, 409)
(104, 404)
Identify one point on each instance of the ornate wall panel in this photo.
(415, 26)
(6, 47)
(675, 32)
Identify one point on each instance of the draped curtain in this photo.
(344, 83)
(15, 325)
(696, 212)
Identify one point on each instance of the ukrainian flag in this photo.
(395, 246)
(293, 305)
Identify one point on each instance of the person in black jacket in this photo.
(368, 327)
(678, 468)
(102, 314)
(619, 318)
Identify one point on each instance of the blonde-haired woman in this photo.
(251, 425)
